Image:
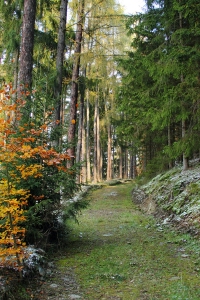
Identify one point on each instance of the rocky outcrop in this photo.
(138, 196)
(143, 201)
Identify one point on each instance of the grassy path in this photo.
(117, 252)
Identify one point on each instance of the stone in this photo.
(174, 278)
(54, 285)
(74, 296)
(166, 221)
(184, 255)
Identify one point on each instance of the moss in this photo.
(194, 188)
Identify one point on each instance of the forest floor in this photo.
(118, 252)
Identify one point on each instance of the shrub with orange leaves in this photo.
(13, 198)
(33, 177)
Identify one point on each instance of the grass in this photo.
(119, 253)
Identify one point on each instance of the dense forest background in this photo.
(90, 94)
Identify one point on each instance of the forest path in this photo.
(117, 252)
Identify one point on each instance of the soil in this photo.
(61, 284)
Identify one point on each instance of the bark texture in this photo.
(27, 43)
(88, 166)
(74, 87)
(60, 58)
(109, 150)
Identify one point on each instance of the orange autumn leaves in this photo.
(23, 155)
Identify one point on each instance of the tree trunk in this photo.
(27, 43)
(185, 158)
(113, 155)
(95, 143)
(169, 143)
(99, 170)
(131, 166)
(59, 66)
(109, 153)
(132, 170)
(183, 125)
(120, 163)
(125, 164)
(74, 87)
(80, 129)
(88, 139)
(16, 73)
(100, 165)
(81, 120)
(83, 157)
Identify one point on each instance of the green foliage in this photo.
(73, 208)
(194, 188)
(160, 81)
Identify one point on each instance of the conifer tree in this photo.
(10, 20)
(163, 74)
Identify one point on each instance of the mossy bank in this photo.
(174, 197)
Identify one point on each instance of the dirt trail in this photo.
(117, 252)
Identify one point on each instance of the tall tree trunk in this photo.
(120, 162)
(125, 163)
(74, 87)
(134, 166)
(99, 170)
(185, 158)
(15, 81)
(132, 170)
(131, 166)
(79, 138)
(27, 43)
(80, 129)
(95, 144)
(88, 139)
(169, 143)
(183, 125)
(83, 156)
(59, 66)
(101, 165)
(81, 119)
(16, 73)
(109, 153)
(113, 154)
